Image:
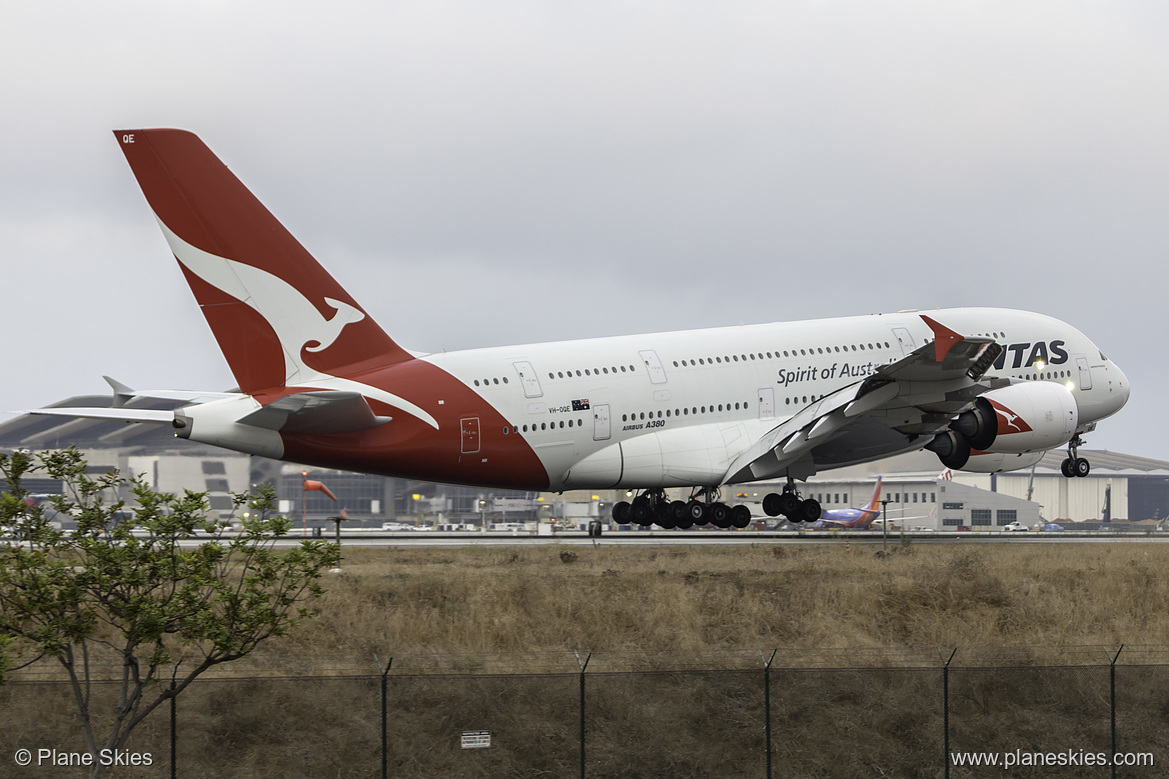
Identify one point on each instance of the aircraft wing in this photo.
(832, 524)
(917, 395)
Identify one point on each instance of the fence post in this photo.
(174, 727)
(767, 706)
(385, 717)
(1112, 702)
(946, 711)
(583, 666)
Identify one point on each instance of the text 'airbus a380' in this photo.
(321, 383)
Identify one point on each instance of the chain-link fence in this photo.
(909, 713)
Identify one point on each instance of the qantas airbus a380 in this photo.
(321, 383)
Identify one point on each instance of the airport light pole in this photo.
(338, 520)
(884, 526)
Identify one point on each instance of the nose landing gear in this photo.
(1074, 465)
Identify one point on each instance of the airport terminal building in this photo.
(919, 493)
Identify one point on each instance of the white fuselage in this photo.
(698, 398)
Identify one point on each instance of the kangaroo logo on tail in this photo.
(346, 314)
(296, 321)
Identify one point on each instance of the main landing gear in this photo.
(654, 507)
(791, 505)
(1074, 465)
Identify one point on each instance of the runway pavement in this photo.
(708, 537)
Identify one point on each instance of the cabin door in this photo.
(1085, 373)
(767, 403)
(470, 435)
(601, 427)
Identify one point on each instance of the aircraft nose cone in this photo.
(1122, 386)
(1118, 390)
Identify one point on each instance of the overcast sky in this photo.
(489, 173)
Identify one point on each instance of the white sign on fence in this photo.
(476, 739)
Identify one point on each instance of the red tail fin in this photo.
(279, 317)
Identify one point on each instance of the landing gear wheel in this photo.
(678, 513)
(740, 516)
(663, 516)
(639, 511)
(772, 505)
(810, 510)
(720, 515)
(698, 512)
(1067, 467)
(789, 505)
(621, 513)
(1081, 467)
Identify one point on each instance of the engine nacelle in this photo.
(1026, 418)
(994, 462)
(1032, 416)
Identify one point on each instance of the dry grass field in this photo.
(706, 604)
(605, 598)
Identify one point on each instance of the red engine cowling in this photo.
(1032, 416)
(1023, 418)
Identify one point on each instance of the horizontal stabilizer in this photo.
(123, 394)
(316, 412)
(124, 414)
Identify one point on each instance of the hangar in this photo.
(1120, 488)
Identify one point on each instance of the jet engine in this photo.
(1031, 416)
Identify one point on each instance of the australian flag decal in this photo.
(580, 405)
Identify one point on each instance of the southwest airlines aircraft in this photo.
(321, 383)
(852, 519)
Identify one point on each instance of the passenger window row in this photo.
(591, 372)
(777, 354)
(509, 429)
(634, 417)
(682, 412)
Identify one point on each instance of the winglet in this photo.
(945, 339)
